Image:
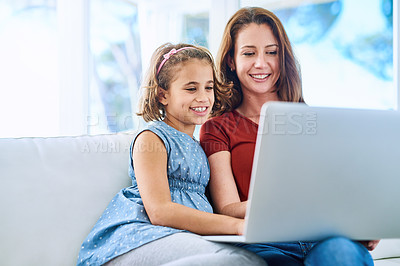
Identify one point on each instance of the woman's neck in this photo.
(251, 105)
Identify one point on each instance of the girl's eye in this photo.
(209, 88)
(248, 53)
(191, 89)
(273, 52)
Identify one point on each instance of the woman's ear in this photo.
(162, 96)
(231, 63)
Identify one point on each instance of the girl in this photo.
(257, 58)
(149, 222)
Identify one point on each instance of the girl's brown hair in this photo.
(288, 86)
(149, 106)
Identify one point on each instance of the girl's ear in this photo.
(230, 62)
(162, 96)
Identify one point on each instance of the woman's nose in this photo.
(260, 61)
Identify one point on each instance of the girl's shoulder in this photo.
(157, 127)
(164, 131)
(152, 132)
(169, 135)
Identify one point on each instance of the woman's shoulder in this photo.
(224, 118)
(220, 122)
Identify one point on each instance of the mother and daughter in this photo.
(158, 220)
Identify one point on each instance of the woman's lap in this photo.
(339, 251)
(290, 254)
(332, 251)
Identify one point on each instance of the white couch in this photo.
(52, 191)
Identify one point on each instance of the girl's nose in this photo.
(201, 96)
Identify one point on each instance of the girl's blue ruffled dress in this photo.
(124, 225)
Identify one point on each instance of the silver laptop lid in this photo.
(320, 172)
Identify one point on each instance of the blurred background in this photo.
(74, 67)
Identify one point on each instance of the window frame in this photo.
(73, 40)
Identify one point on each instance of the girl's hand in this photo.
(370, 244)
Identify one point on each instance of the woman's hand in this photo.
(370, 244)
(240, 227)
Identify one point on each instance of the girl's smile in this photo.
(202, 110)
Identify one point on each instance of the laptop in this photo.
(320, 172)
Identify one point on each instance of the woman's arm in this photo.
(223, 188)
(150, 164)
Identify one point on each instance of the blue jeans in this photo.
(333, 251)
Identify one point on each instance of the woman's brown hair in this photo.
(288, 86)
(149, 106)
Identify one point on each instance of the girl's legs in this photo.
(186, 249)
(338, 251)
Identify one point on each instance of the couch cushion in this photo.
(52, 192)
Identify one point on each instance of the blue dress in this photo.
(124, 225)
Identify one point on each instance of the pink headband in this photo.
(169, 54)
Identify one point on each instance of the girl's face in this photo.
(256, 59)
(189, 100)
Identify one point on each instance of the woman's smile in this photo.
(260, 77)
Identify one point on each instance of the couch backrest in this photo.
(53, 190)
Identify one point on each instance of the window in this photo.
(116, 65)
(29, 69)
(72, 67)
(345, 52)
(123, 35)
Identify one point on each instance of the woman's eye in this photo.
(272, 52)
(209, 88)
(191, 89)
(248, 54)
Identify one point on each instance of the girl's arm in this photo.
(224, 193)
(150, 164)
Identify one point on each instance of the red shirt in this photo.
(237, 134)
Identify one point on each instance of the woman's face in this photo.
(256, 59)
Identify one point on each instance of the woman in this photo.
(257, 57)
